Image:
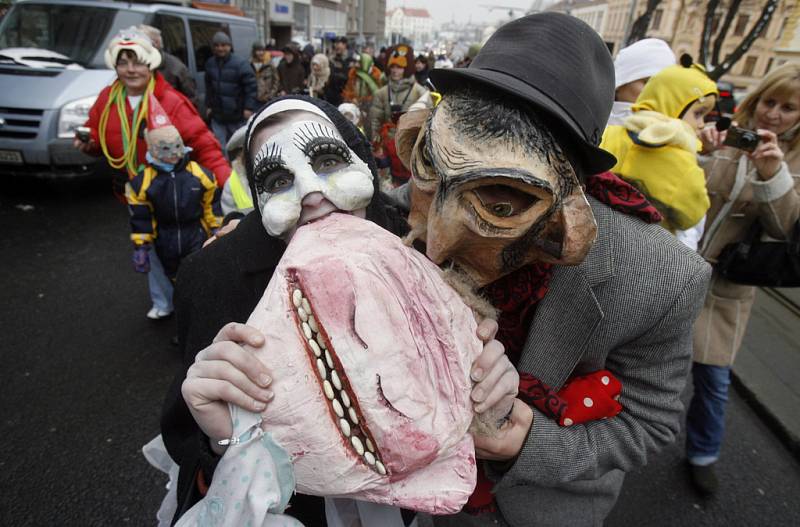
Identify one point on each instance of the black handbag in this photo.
(762, 263)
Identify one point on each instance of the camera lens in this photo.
(750, 139)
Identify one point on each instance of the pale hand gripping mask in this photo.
(490, 194)
(307, 157)
(370, 352)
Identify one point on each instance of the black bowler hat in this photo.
(560, 66)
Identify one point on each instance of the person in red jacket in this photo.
(121, 111)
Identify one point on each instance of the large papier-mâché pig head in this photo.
(492, 190)
(371, 353)
(369, 349)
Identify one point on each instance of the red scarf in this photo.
(516, 296)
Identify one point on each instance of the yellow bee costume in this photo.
(657, 152)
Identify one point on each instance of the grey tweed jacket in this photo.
(629, 307)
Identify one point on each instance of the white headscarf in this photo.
(316, 82)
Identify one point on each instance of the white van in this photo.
(52, 69)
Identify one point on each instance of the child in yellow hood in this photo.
(656, 147)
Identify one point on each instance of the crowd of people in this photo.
(665, 191)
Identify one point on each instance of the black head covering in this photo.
(558, 65)
(380, 210)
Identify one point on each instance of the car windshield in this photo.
(77, 32)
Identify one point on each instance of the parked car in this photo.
(727, 102)
(52, 69)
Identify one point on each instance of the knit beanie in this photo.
(641, 60)
(221, 38)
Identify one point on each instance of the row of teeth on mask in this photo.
(338, 398)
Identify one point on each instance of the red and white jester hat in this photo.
(156, 115)
(159, 127)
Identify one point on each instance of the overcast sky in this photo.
(462, 10)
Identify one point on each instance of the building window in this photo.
(656, 24)
(741, 25)
(749, 66)
(769, 65)
(173, 36)
(301, 19)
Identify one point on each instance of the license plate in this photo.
(11, 157)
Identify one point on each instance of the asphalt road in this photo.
(83, 374)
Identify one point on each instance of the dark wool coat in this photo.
(292, 76)
(230, 88)
(178, 75)
(338, 80)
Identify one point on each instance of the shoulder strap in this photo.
(738, 185)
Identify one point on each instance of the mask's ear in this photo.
(405, 137)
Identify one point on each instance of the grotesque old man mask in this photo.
(492, 190)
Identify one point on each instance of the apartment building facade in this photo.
(680, 23)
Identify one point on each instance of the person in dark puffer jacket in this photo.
(230, 89)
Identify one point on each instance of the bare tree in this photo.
(639, 27)
(709, 55)
(708, 29)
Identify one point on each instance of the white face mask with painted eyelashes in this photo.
(307, 157)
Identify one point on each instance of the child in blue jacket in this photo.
(173, 202)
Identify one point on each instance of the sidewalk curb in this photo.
(785, 435)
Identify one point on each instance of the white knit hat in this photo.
(136, 41)
(642, 59)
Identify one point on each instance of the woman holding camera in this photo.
(748, 182)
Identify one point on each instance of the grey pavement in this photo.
(759, 481)
(767, 369)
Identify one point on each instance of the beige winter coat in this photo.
(738, 198)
